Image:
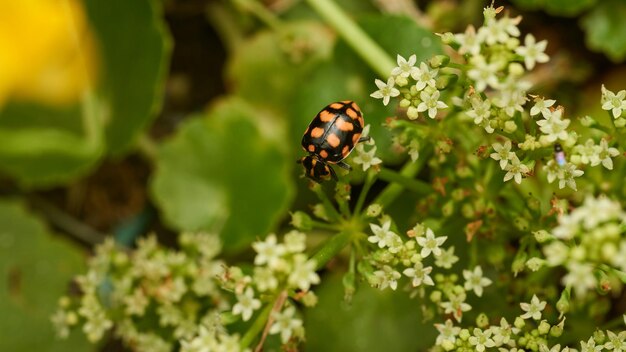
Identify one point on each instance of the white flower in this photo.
(456, 306)
(542, 106)
(382, 235)
(446, 259)
(555, 348)
(430, 243)
(474, 280)
(533, 309)
(269, 251)
(246, 304)
(484, 74)
(419, 274)
(567, 174)
(502, 334)
(424, 76)
(388, 277)
(590, 346)
(430, 102)
(556, 253)
(613, 102)
(502, 153)
(366, 159)
(616, 341)
(554, 127)
(295, 241)
(515, 169)
(447, 332)
(469, 42)
(580, 277)
(605, 154)
(385, 91)
(405, 68)
(285, 324)
(481, 339)
(481, 109)
(303, 273)
(533, 52)
(265, 279)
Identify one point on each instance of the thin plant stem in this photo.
(369, 182)
(356, 38)
(331, 248)
(256, 327)
(331, 211)
(417, 186)
(278, 304)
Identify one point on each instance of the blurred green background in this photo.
(124, 117)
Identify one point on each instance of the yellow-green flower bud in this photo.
(482, 321)
(543, 327)
(301, 221)
(373, 210)
(439, 60)
(519, 323)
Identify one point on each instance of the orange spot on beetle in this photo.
(361, 122)
(344, 126)
(353, 114)
(333, 140)
(336, 106)
(355, 138)
(355, 107)
(326, 115)
(345, 151)
(317, 132)
(311, 149)
(324, 154)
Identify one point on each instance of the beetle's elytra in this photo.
(330, 138)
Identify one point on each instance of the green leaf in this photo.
(224, 172)
(605, 29)
(136, 48)
(44, 146)
(35, 269)
(267, 68)
(374, 321)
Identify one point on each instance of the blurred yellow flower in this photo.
(47, 52)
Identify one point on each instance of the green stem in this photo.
(261, 12)
(369, 181)
(331, 248)
(330, 208)
(256, 327)
(323, 225)
(356, 38)
(417, 186)
(393, 190)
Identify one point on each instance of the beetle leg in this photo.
(332, 173)
(345, 166)
(364, 139)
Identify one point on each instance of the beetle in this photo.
(329, 139)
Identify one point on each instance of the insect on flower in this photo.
(559, 154)
(329, 139)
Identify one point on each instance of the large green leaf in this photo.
(35, 269)
(43, 145)
(136, 49)
(374, 321)
(605, 29)
(224, 172)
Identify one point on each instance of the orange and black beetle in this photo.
(330, 138)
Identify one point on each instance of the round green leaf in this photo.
(605, 29)
(222, 172)
(35, 269)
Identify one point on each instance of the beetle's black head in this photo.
(316, 169)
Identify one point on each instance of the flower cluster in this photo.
(397, 256)
(279, 267)
(527, 332)
(591, 235)
(493, 63)
(176, 293)
(367, 158)
(419, 87)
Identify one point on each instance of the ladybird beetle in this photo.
(330, 138)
